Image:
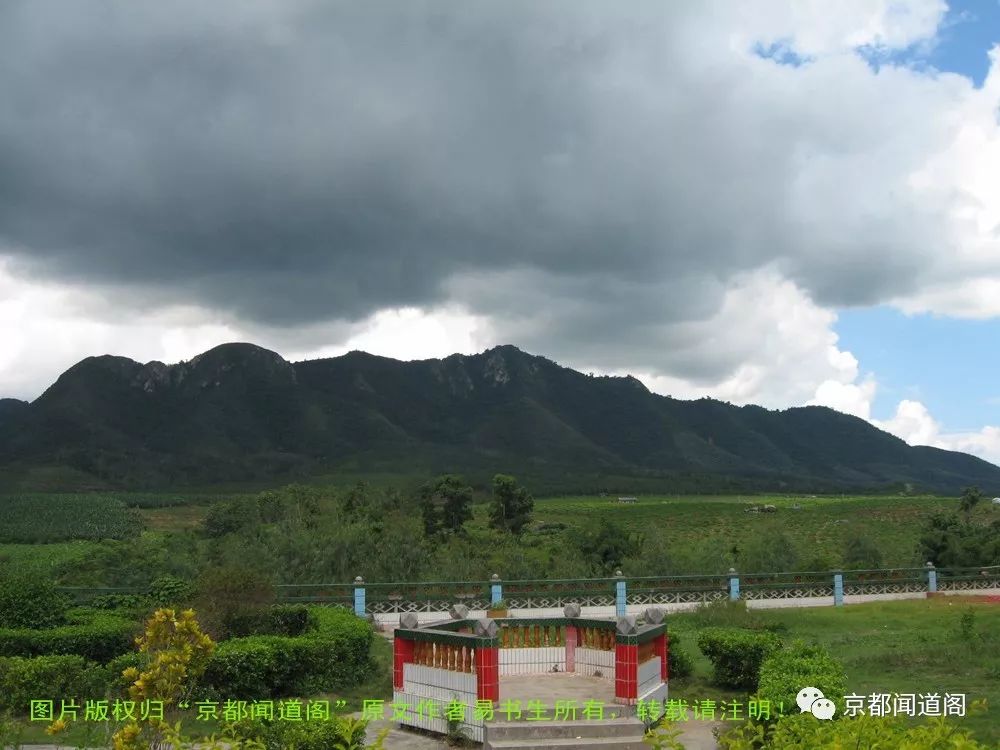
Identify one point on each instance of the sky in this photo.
(762, 202)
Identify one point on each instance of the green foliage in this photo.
(786, 672)
(950, 541)
(679, 662)
(131, 603)
(226, 517)
(803, 731)
(736, 655)
(340, 733)
(31, 602)
(725, 613)
(118, 682)
(335, 656)
(102, 637)
(168, 591)
(861, 553)
(445, 505)
(233, 600)
(289, 619)
(971, 497)
(664, 736)
(48, 678)
(605, 545)
(769, 552)
(53, 518)
(512, 505)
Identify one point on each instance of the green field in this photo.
(53, 518)
(677, 534)
(819, 528)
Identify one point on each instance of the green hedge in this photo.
(31, 602)
(278, 619)
(339, 732)
(290, 619)
(54, 678)
(100, 637)
(737, 655)
(335, 656)
(861, 732)
(785, 673)
(679, 662)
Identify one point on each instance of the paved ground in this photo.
(549, 688)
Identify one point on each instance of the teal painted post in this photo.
(838, 589)
(931, 577)
(620, 594)
(359, 596)
(734, 585)
(496, 589)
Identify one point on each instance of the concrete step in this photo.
(557, 729)
(597, 743)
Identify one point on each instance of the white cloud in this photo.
(45, 328)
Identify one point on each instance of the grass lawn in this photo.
(915, 646)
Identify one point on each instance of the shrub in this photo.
(784, 673)
(243, 668)
(278, 665)
(233, 600)
(289, 619)
(118, 683)
(724, 613)
(127, 602)
(736, 655)
(176, 653)
(856, 732)
(336, 621)
(101, 639)
(55, 678)
(31, 602)
(679, 662)
(341, 733)
(861, 553)
(169, 590)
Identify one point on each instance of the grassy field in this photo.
(820, 526)
(916, 646)
(53, 518)
(43, 559)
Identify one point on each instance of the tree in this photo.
(948, 541)
(861, 553)
(512, 505)
(768, 552)
(445, 505)
(970, 499)
(605, 545)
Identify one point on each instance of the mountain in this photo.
(240, 413)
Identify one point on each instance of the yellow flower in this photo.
(57, 726)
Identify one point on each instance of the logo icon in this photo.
(812, 700)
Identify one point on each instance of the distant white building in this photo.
(626, 499)
(996, 501)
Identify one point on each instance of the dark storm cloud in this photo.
(297, 161)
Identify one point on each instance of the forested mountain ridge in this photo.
(242, 413)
